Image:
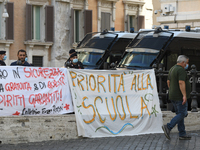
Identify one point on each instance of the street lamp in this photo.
(5, 13)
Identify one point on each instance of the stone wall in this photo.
(22, 129)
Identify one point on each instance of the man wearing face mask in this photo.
(71, 51)
(21, 59)
(179, 93)
(75, 63)
(2, 58)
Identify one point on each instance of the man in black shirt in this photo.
(21, 59)
(2, 58)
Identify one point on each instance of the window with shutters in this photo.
(132, 12)
(81, 24)
(39, 31)
(39, 23)
(81, 21)
(106, 14)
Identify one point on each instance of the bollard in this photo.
(160, 93)
(159, 74)
(194, 93)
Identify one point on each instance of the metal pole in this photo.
(194, 93)
(158, 72)
(160, 94)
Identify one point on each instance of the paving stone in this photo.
(149, 141)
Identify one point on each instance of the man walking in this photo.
(179, 92)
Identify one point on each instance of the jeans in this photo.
(181, 113)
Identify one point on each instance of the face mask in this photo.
(4, 58)
(186, 67)
(75, 60)
(26, 59)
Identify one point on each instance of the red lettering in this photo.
(27, 72)
(42, 72)
(46, 72)
(61, 95)
(44, 98)
(2, 99)
(8, 100)
(18, 86)
(12, 100)
(54, 83)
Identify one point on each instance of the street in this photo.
(141, 142)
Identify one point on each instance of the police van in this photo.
(158, 46)
(161, 46)
(98, 50)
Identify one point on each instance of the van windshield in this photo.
(97, 41)
(139, 57)
(152, 41)
(89, 57)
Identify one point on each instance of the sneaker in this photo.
(166, 131)
(186, 137)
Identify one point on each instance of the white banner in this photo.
(115, 103)
(34, 91)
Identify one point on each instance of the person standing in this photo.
(2, 58)
(74, 62)
(21, 54)
(71, 51)
(179, 92)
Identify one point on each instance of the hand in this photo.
(184, 100)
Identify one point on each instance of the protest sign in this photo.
(114, 102)
(34, 91)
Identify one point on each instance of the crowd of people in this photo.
(178, 84)
(72, 62)
(22, 59)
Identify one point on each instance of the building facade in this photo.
(48, 29)
(177, 14)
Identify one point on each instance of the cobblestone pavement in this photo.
(141, 142)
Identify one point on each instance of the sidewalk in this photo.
(141, 142)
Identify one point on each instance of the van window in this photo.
(118, 49)
(184, 46)
(89, 58)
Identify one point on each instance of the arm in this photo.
(183, 90)
(81, 65)
(168, 83)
